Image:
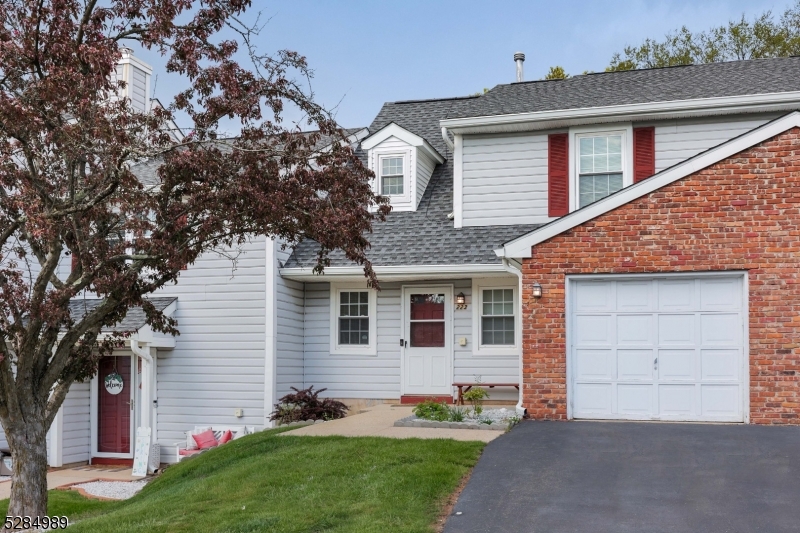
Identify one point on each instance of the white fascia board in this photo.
(412, 139)
(559, 118)
(521, 246)
(386, 273)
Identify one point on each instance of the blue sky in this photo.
(365, 53)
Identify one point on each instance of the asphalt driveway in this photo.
(618, 477)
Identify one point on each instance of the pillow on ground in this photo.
(226, 437)
(205, 440)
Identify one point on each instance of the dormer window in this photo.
(392, 176)
(403, 163)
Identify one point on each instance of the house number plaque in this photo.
(113, 383)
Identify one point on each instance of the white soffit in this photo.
(563, 118)
(521, 246)
(393, 130)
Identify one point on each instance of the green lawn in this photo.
(70, 503)
(269, 483)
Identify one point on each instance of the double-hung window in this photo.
(353, 320)
(497, 317)
(392, 176)
(600, 166)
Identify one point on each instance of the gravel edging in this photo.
(112, 490)
(414, 422)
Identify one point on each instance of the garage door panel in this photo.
(635, 400)
(594, 296)
(633, 296)
(594, 330)
(677, 365)
(593, 399)
(676, 401)
(676, 295)
(720, 365)
(663, 348)
(720, 294)
(720, 401)
(676, 330)
(635, 330)
(721, 329)
(635, 365)
(595, 364)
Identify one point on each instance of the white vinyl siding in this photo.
(678, 140)
(217, 364)
(504, 176)
(425, 167)
(289, 333)
(378, 377)
(76, 435)
(138, 89)
(352, 376)
(504, 179)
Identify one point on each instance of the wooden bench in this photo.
(465, 387)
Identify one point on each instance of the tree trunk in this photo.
(29, 480)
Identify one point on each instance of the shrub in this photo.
(457, 414)
(475, 396)
(306, 405)
(432, 410)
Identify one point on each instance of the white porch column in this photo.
(146, 409)
(270, 356)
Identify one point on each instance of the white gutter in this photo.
(416, 271)
(521, 411)
(447, 140)
(644, 111)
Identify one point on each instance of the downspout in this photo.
(447, 140)
(521, 411)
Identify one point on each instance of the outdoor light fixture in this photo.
(537, 290)
(461, 299)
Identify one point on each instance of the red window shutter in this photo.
(557, 174)
(644, 153)
(74, 263)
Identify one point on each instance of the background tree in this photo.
(556, 73)
(763, 36)
(67, 146)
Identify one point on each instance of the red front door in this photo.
(114, 410)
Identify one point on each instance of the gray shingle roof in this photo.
(133, 321)
(147, 171)
(734, 78)
(426, 236)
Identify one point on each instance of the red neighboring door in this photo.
(114, 410)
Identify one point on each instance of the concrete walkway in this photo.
(80, 474)
(378, 421)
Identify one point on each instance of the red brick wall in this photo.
(740, 214)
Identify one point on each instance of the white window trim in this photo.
(379, 174)
(575, 134)
(407, 200)
(478, 285)
(349, 349)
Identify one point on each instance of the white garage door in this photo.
(667, 348)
